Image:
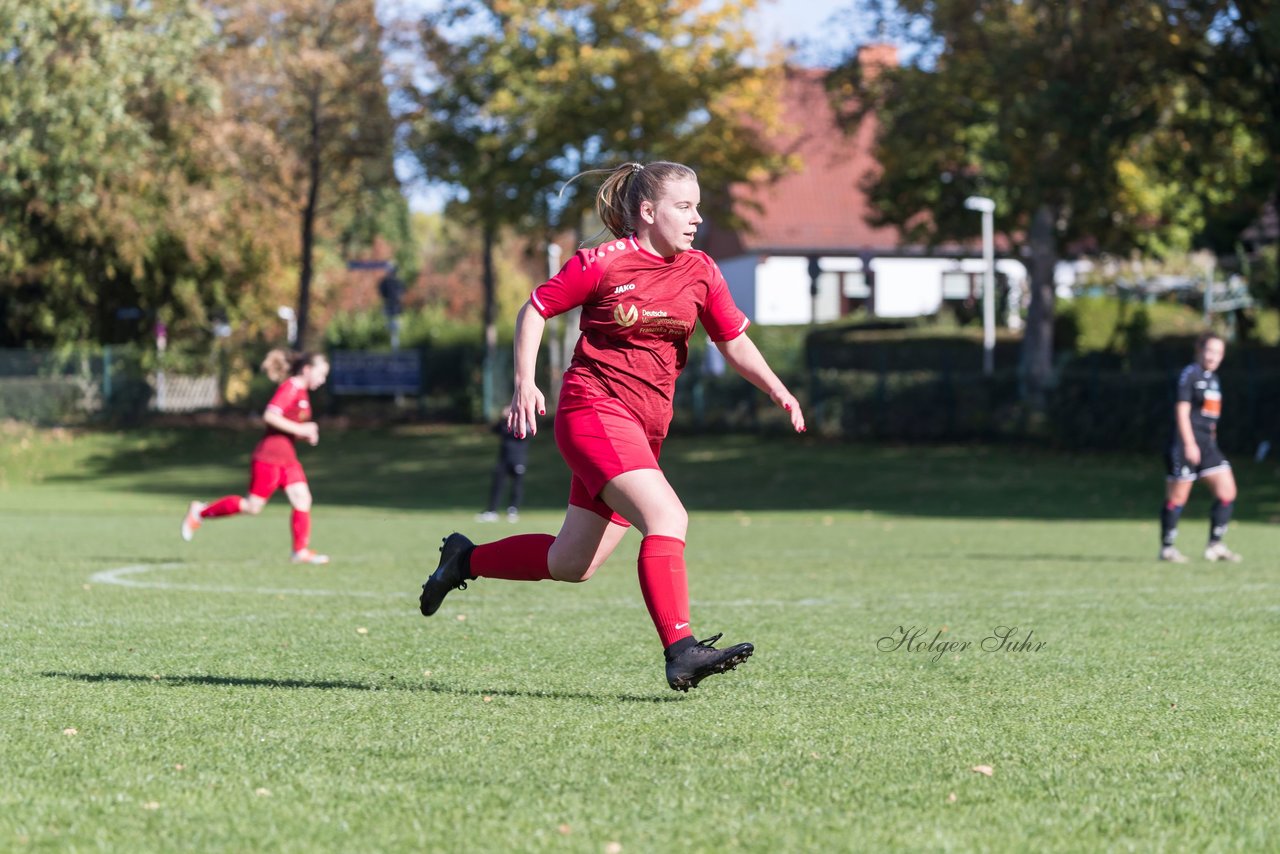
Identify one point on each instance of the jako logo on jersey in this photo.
(626, 315)
(622, 289)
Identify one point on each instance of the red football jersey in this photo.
(638, 311)
(293, 401)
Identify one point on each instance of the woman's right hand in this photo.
(1192, 454)
(526, 405)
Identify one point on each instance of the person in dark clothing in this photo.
(513, 461)
(1193, 454)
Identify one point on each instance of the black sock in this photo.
(1219, 518)
(1169, 523)
(679, 647)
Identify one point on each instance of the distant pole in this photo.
(162, 342)
(815, 270)
(1208, 299)
(391, 289)
(555, 354)
(987, 207)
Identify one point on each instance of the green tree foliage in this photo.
(1233, 51)
(523, 95)
(1071, 115)
(112, 181)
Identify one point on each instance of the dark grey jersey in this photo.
(1200, 388)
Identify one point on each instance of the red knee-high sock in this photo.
(665, 586)
(519, 558)
(226, 506)
(300, 524)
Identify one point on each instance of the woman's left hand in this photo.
(788, 401)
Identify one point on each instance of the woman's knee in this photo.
(299, 495)
(678, 519)
(646, 499)
(252, 505)
(669, 521)
(573, 574)
(573, 568)
(1178, 492)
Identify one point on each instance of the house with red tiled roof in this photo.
(820, 214)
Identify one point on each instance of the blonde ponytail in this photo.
(276, 365)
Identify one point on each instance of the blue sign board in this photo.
(368, 372)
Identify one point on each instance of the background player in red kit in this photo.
(641, 294)
(275, 461)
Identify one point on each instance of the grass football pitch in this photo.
(160, 695)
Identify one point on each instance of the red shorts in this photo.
(600, 439)
(266, 478)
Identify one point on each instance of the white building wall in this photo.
(740, 276)
(775, 290)
(909, 287)
(782, 291)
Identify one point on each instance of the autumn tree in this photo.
(117, 204)
(306, 77)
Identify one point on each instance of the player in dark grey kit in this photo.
(1193, 454)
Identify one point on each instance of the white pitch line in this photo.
(120, 577)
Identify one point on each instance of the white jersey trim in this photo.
(537, 303)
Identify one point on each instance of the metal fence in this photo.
(72, 386)
(1094, 405)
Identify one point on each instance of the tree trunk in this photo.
(1037, 341)
(306, 265)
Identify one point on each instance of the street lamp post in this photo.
(987, 207)
(556, 353)
(290, 319)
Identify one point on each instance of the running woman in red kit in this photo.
(275, 461)
(641, 294)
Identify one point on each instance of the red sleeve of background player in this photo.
(569, 288)
(721, 316)
(285, 397)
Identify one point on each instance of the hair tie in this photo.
(636, 167)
